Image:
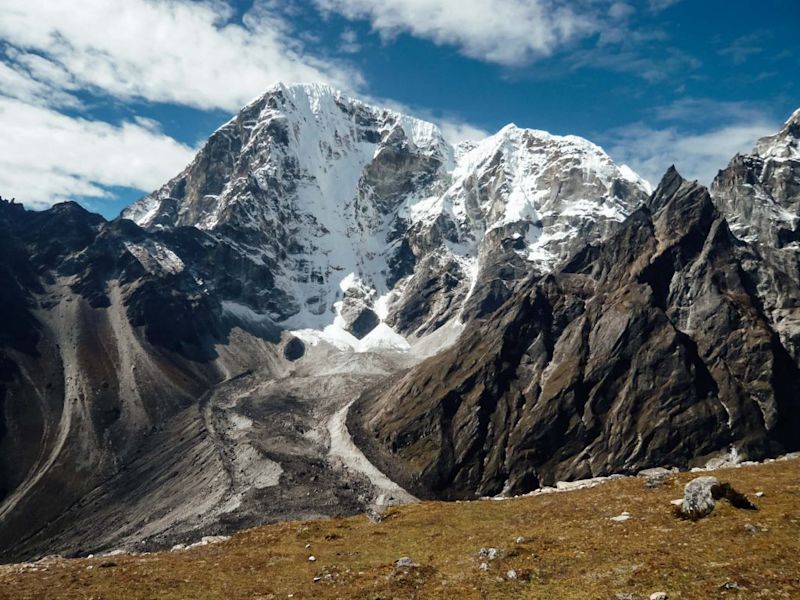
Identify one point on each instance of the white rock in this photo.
(405, 561)
(490, 553)
(698, 498)
(622, 517)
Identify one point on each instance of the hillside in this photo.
(571, 549)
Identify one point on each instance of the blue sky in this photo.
(104, 100)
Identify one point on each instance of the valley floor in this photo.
(553, 546)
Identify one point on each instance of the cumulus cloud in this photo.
(178, 51)
(698, 136)
(57, 56)
(509, 32)
(48, 156)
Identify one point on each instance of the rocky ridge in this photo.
(669, 321)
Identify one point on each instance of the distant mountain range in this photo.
(504, 314)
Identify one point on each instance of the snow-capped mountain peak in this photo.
(759, 193)
(325, 189)
(784, 145)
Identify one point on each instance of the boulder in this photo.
(700, 496)
(356, 312)
(405, 561)
(655, 477)
(491, 553)
(294, 349)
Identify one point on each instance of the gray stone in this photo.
(655, 477)
(700, 496)
(732, 586)
(294, 349)
(405, 562)
(491, 553)
(698, 499)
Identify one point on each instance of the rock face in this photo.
(759, 194)
(579, 372)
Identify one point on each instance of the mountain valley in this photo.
(333, 310)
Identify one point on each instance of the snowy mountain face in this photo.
(759, 193)
(372, 225)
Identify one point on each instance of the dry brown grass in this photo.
(572, 551)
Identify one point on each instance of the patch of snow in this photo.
(382, 338)
(731, 458)
(632, 176)
(439, 340)
(155, 257)
(244, 313)
(621, 518)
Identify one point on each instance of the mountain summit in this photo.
(357, 210)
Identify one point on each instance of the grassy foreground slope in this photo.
(572, 550)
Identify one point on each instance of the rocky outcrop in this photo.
(759, 195)
(651, 348)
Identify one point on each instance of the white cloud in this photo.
(651, 150)
(176, 51)
(742, 48)
(17, 83)
(348, 42)
(183, 52)
(509, 32)
(456, 131)
(47, 156)
(659, 5)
